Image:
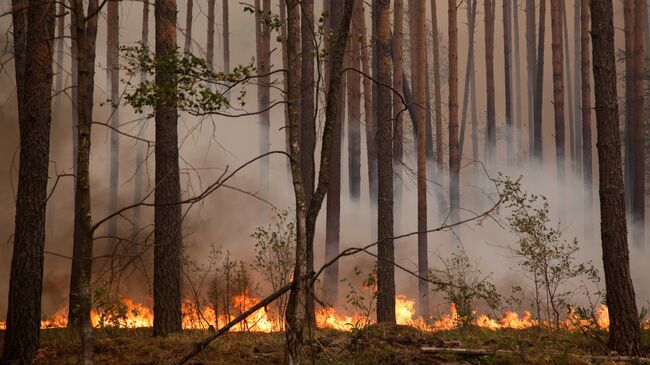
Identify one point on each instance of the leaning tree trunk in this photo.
(167, 212)
(558, 86)
(539, 86)
(491, 140)
(507, 66)
(386, 249)
(624, 336)
(113, 82)
(33, 45)
(436, 81)
(585, 107)
(531, 64)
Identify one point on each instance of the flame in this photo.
(262, 320)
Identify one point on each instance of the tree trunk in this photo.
(573, 129)
(113, 82)
(308, 124)
(539, 85)
(398, 105)
(558, 86)
(354, 107)
(371, 145)
(518, 121)
(469, 71)
(167, 215)
(333, 213)
(637, 130)
(624, 320)
(226, 40)
(189, 19)
(436, 80)
(386, 249)
(33, 45)
(531, 62)
(210, 46)
(585, 107)
(507, 65)
(140, 152)
(263, 42)
(491, 141)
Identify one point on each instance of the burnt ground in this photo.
(377, 344)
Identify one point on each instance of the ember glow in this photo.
(262, 320)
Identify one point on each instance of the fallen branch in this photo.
(480, 352)
(198, 347)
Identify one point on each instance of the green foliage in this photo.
(548, 260)
(464, 285)
(112, 312)
(179, 79)
(363, 299)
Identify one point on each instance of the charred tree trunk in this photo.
(507, 65)
(386, 250)
(436, 81)
(189, 19)
(585, 107)
(33, 44)
(624, 319)
(210, 46)
(558, 86)
(531, 62)
(167, 215)
(113, 82)
(539, 85)
(491, 140)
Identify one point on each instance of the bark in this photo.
(210, 46)
(637, 130)
(33, 45)
(263, 43)
(188, 26)
(491, 140)
(436, 81)
(167, 214)
(285, 64)
(577, 107)
(623, 316)
(531, 64)
(226, 36)
(354, 108)
(507, 65)
(585, 107)
(113, 82)
(539, 85)
(558, 86)
(518, 122)
(398, 105)
(333, 213)
(371, 145)
(140, 152)
(384, 137)
(308, 123)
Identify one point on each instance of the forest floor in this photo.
(377, 344)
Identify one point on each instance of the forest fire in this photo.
(137, 315)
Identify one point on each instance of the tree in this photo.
(398, 105)
(384, 138)
(469, 70)
(436, 81)
(371, 145)
(637, 129)
(585, 107)
(531, 64)
(577, 81)
(624, 336)
(307, 211)
(573, 129)
(188, 26)
(454, 156)
(539, 85)
(167, 214)
(507, 65)
(558, 86)
(33, 45)
(113, 82)
(517, 112)
(491, 140)
(263, 46)
(226, 37)
(210, 46)
(354, 106)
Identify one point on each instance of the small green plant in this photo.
(111, 311)
(464, 285)
(547, 259)
(363, 300)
